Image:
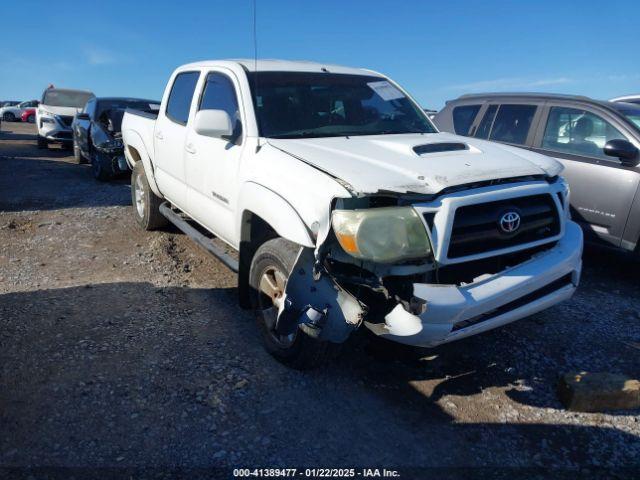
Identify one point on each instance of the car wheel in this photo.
(98, 168)
(270, 268)
(42, 142)
(9, 117)
(146, 204)
(31, 119)
(77, 154)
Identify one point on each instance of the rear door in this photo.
(602, 189)
(212, 163)
(170, 135)
(512, 122)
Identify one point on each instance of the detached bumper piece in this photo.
(320, 307)
(454, 312)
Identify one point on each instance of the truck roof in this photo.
(274, 65)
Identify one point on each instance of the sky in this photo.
(437, 50)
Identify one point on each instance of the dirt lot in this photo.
(122, 348)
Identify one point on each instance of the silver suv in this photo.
(597, 141)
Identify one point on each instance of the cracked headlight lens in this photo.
(384, 235)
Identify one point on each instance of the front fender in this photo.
(274, 210)
(134, 140)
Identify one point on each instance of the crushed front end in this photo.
(430, 270)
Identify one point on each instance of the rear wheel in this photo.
(42, 142)
(9, 117)
(146, 204)
(270, 268)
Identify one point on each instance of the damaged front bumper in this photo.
(454, 312)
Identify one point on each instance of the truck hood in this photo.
(375, 163)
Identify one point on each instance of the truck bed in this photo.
(138, 127)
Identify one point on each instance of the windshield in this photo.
(110, 112)
(66, 98)
(308, 105)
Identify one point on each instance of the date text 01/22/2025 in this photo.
(316, 472)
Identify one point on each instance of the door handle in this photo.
(159, 135)
(190, 148)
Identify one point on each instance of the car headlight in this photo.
(384, 235)
(110, 145)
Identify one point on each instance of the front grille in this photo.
(66, 119)
(64, 135)
(477, 228)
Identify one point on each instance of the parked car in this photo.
(597, 141)
(29, 115)
(55, 114)
(627, 99)
(336, 177)
(8, 103)
(13, 113)
(97, 136)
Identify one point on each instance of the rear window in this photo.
(181, 95)
(463, 117)
(66, 98)
(512, 123)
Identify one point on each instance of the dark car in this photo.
(598, 143)
(97, 136)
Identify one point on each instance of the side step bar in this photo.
(202, 240)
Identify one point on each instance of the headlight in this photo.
(110, 145)
(384, 235)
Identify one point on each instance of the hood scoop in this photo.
(440, 147)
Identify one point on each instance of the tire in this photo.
(31, 119)
(77, 154)
(9, 117)
(275, 258)
(98, 168)
(146, 208)
(42, 142)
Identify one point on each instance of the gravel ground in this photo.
(126, 349)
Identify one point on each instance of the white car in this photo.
(14, 112)
(55, 114)
(627, 99)
(348, 207)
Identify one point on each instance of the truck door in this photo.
(212, 163)
(169, 138)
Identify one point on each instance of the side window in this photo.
(485, 125)
(89, 107)
(463, 117)
(220, 94)
(180, 97)
(578, 132)
(512, 123)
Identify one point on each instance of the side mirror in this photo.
(83, 116)
(624, 150)
(213, 123)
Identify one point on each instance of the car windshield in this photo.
(110, 112)
(631, 112)
(66, 98)
(311, 105)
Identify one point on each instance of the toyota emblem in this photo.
(510, 222)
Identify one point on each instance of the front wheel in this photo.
(77, 154)
(270, 268)
(100, 171)
(146, 204)
(31, 119)
(9, 117)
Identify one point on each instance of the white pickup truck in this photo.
(348, 207)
